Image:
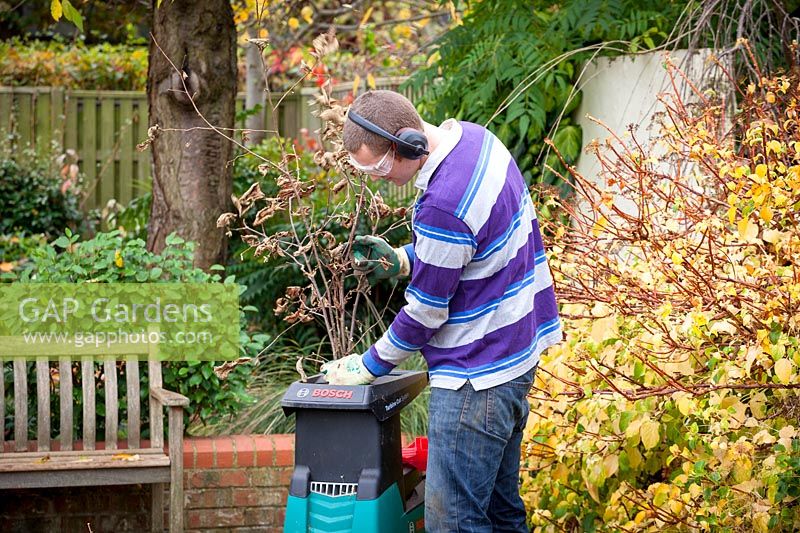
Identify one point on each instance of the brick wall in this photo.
(237, 483)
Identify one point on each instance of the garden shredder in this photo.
(349, 472)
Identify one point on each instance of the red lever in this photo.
(416, 454)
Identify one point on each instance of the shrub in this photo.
(14, 253)
(673, 404)
(35, 199)
(108, 258)
(73, 66)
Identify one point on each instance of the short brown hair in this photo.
(390, 110)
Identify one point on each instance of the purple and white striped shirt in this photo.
(480, 302)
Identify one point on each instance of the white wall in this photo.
(624, 90)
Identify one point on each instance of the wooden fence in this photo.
(104, 127)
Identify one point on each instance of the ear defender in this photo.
(411, 144)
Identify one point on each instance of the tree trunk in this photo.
(254, 91)
(191, 176)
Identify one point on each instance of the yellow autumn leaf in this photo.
(747, 229)
(774, 146)
(610, 465)
(685, 405)
(677, 258)
(356, 84)
(765, 213)
(649, 434)
(561, 473)
(307, 13)
(125, 457)
(760, 522)
(293, 23)
(263, 33)
(56, 10)
(605, 328)
(402, 31)
(371, 81)
(783, 370)
(365, 18)
(732, 214)
(5, 266)
(770, 97)
(634, 457)
(118, 259)
(761, 170)
(771, 236)
(599, 226)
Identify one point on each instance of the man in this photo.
(480, 303)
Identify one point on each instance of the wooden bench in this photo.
(61, 464)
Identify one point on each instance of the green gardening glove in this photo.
(375, 258)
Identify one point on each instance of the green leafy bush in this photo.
(14, 253)
(35, 199)
(109, 258)
(529, 56)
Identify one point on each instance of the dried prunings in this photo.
(222, 371)
(318, 214)
(293, 307)
(325, 44)
(246, 201)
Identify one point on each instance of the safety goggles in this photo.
(381, 168)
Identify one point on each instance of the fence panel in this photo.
(104, 127)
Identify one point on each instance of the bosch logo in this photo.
(302, 393)
(332, 393)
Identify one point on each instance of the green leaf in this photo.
(72, 15)
(61, 242)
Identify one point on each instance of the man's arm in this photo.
(444, 246)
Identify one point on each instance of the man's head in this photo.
(392, 112)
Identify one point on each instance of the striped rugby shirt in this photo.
(480, 302)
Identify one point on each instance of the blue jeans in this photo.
(472, 482)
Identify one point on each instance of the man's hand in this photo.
(348, 370)
(375, 258)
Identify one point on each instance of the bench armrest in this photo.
(168, 398)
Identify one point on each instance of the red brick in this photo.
(264, 477)
(264, 450)
(245, 497)
(257, 516)
(224, 450)
(189, 454)
(233, 478)
(259, 497)
(205, 453)
(203, 479)
(220, 517)
(275, 450)
(192, 519)
(209, 498)
(284, 450)
(245, 450)
(285, 476)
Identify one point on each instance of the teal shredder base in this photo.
(319, 513)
